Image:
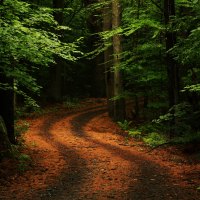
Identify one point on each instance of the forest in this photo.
(135, 60)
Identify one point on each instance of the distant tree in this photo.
(55, 89)
(172, 67)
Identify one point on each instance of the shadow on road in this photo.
(150, 182)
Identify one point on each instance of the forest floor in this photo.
(81, 154)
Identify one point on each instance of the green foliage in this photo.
(189, 138)
(125, 125)
(142, 23)
(157, 105)
(184, 117)
(143, 63)
(30, 105)
(149, 134)
(142, 60)
(147, 128)
(135, 133)
(154, 139)
(186, 51)
(24, 162)
(71, 103)
(20, 128)
(192, 88)
(28, 41)
(144, 130)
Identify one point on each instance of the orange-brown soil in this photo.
(82, 154)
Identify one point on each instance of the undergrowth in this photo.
(155, 139)
(23, 160)
(71, 103)
(151, 135)
(125, 125)
(192, 138)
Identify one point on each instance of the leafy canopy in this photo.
(28, 40)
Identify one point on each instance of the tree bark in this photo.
(172, 68)
(55, 91)
(5, 145)
(95, 26)
(58, 15)
(107, 26)
(7, 107)
(119, 107)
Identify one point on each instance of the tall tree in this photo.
(94, 26)
(107, 26)
(119, 112)
(55, 91)
(7, 103)
(7, 106)
(26, 44)
(172, 68)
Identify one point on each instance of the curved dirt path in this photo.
(81, 155)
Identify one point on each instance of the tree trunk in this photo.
(58, 15)
(119, 108)
(5, 145)
(94, 25)
(55, 91)
(7, 108)
(172, 68)
(107, 26)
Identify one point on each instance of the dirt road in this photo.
(81, 154)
